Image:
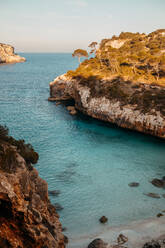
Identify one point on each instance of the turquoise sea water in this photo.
(91, 163)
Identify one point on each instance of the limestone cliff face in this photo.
(134, 106)
(7, 55)
(27, 218)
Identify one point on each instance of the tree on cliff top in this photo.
(80, 53)
(93, 46)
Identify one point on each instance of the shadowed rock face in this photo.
(27, 218)
(138, 107)
(7, 55)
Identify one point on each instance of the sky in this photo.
(65, 25)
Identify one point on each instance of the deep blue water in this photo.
(90, 162)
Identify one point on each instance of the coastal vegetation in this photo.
(80, 53)
(123, 83)
(132, 56)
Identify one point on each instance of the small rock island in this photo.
(8, 56)
(123, 83)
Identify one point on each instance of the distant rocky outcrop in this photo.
(123, 84)
(7, 55)
(27, 218)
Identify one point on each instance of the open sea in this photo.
(89, 161)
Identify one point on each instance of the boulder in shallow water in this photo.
(58, 207)
(72, 110)
(133, 184)
(103, 219)
(158, 183)
(58, 103)
(54, 192)
(159, 215)
(153, 195)
(97, 243)
(121, 239)
(152, 244)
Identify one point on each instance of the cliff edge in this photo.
(123, 84)
(27, 218)
(7, 55)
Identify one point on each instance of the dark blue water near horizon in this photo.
(91, 163)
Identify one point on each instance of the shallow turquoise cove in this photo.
(90, 162)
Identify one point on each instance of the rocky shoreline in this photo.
(133, 106)
(27, 217)
(137, 234)
(7, 55)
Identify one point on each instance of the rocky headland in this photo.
(7, 55)
(27, 217)
(124, 83)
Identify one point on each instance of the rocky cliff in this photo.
(123, 84)
(7, 55)
(134, 106)
(27, 218)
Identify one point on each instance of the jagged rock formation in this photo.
(27, 218)
(7, 55)
(124, 84)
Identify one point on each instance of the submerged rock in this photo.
(54, 192)
(72, 110)
(159, 215)
(97, 243)
(103, 219)
(58, 206)
(58, 103)
(152, 244)
(133, 184)
(153, 195)
(158, 183)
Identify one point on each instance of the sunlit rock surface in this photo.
(7, 55)
(138, 107)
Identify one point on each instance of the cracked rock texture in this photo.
(27, 218)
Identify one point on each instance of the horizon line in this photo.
(42, 52)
